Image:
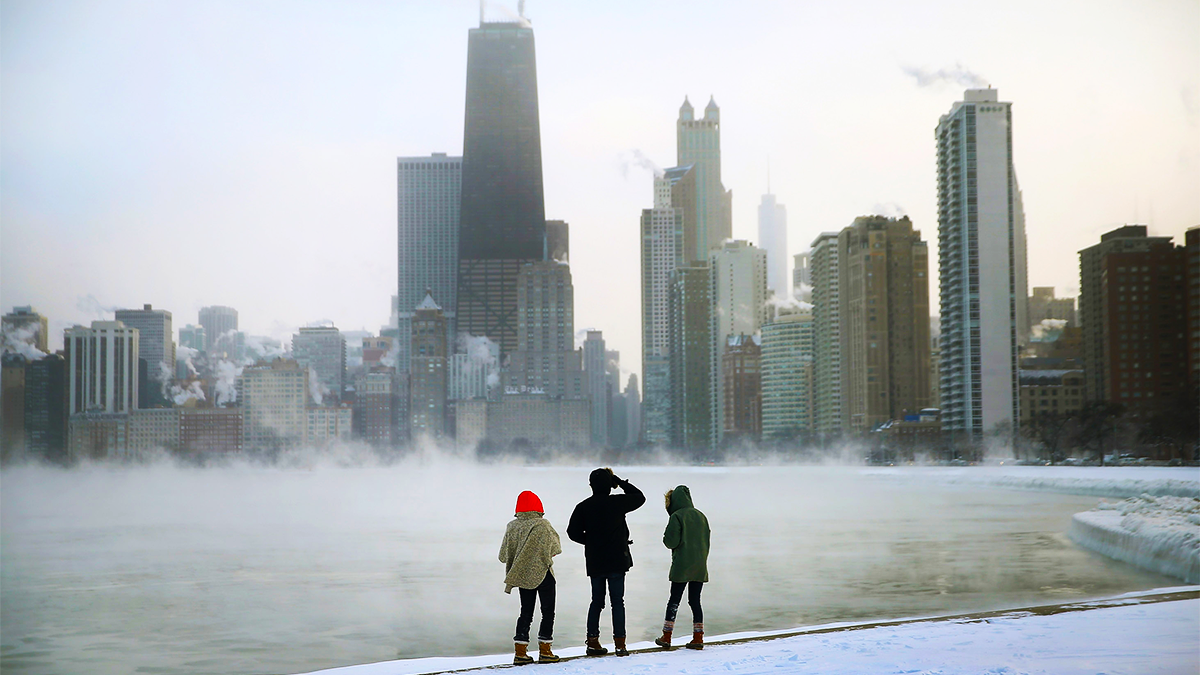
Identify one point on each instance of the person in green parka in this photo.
(687, 536)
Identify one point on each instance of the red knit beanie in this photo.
(527, 501)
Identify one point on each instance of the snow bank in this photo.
(1160, 534)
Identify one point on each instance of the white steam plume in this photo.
(788, 303)
(637, 159)
(481, 351)
(90, 305)
(20, 341)
(890, 210)
(1046, 328)
(958, 75)
(193, 392)
(226, 373)
(259, 348)
(316, 388)
(188, 356)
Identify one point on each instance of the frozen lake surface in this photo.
(254, 570)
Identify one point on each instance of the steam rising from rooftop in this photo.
(20, 341)
(958, 75)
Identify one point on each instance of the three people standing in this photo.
(598, 522)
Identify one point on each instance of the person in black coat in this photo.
(598, 523)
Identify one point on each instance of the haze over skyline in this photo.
(194, 154)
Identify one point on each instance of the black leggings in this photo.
(545, 592)
(694, 588)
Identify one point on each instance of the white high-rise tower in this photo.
(981, 241)
(772, 236)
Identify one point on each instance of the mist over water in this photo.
(251, 569)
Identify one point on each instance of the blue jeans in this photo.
(616, 591)
(693, 589)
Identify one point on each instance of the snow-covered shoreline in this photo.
(1156, 527)
(1160, 534)
(1143, 632)
(1115, 482)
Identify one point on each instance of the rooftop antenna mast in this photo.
(482, 3)
(521, 8)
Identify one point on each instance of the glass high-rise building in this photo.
(155, 339)
(503, 219)
(661, 252)
(429, 191)
(827, 331)
(981, 250)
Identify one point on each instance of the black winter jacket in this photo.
(598, 523)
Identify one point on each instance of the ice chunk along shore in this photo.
(1160, 534)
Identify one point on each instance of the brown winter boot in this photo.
(544, 653)
(697, 637)
(522, 656)
(665, 640)
(594, 648)
(619, 647)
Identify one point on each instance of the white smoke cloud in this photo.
(890, 209)
(803, 293)
(261, 348)
(1048, 328)
(787, 303)
(958, 75)
(637, 159)
(20, 341)
(482, 351)
(226, 373)
(393, 356)
(91, 306)
(316, 388)
(193, 392)
(188, 356)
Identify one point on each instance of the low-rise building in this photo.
(1051, 392)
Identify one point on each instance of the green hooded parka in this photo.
(687, 536)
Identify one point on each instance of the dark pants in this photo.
(616, 591)
(694, 588)
(545, 591)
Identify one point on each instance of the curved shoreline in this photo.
(1102, 531)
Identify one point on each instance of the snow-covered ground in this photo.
(1160, 534)
(1108, 637)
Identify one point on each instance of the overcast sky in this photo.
(244, 153)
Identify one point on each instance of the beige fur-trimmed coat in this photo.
(528, 550)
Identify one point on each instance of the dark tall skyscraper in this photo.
(503, 216)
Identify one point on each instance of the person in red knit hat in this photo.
(528, 550)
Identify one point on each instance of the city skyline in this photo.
(281, 222)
